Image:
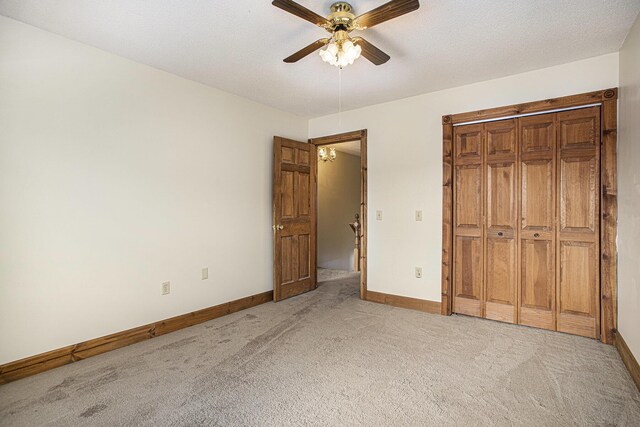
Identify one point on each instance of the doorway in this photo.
(341, 195)
(338, 211)
(295, 209)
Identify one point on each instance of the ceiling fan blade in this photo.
(371, 52)
(306, 50)
(387, 11)
(301, 12)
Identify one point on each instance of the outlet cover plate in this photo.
(166, 288)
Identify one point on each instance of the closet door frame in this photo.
(608, 101)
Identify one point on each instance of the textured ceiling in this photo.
(238, 45)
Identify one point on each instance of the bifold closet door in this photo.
(537, 209)
(526, 221)
(500, 237)
(468, 220)
(578, 207)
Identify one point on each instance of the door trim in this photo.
(346, 137)
(608, 99)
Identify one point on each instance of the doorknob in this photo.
(277, 227)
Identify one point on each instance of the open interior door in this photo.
(294, 218)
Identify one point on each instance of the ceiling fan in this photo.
(342, 49)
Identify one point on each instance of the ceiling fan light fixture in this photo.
(341, 54)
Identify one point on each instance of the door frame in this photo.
(608, 100)
(360, 135)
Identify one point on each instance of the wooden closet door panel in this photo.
(467, 143)
(500, 293)
(501, 138)
(538, 195)
(468, 220)
(578, 129)
(500, 210)
(537, 283)
(468, 203)
(578, 194)
(501, 195)
(468, 276)
(538, 135)
(577, 280)
(537, 212)
(577, 296)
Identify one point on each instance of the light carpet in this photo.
(328, 358)
(327, 274)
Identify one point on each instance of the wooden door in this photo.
(500, 238)
(578, 207)
(537, 281)
(468, 182)
(294, 218)
(526, 221)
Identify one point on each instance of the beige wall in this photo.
(338, 202)
(629, 192)
(116, 177)
(404, 156)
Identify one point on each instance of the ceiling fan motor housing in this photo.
(341, 17)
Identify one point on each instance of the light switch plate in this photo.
(418, 272)
(166, 288)
(379, 215)
(418, 215)
(205, 273)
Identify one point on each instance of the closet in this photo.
(526, 220)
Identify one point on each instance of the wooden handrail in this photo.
(355, 226)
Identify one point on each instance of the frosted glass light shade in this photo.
(340, 56)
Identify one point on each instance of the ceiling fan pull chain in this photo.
(339, 99)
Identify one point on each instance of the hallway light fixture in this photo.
(327, 155)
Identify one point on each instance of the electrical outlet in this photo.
(379, 215)
(418, 215)
(166, 288)
(418, 272)
(205, 273)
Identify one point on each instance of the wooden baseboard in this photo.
(404, 302)
(627, 357)
(52, 359)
